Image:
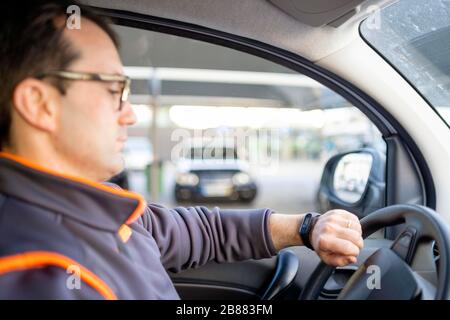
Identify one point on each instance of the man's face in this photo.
(91, 132)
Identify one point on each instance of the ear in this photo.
(37, 103)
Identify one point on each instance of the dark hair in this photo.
(31, 43)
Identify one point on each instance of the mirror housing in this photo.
(353, 181)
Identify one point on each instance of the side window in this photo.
(221, 127)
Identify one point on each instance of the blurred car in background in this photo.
(213, 172)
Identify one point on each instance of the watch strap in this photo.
(306, 227)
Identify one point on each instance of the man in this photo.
(63, 124)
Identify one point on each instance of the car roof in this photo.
(294, 25)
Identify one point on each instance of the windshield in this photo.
(414, 36)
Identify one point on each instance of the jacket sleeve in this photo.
(190, 237)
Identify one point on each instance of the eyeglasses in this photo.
(83, 76)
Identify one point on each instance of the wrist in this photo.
(284, 230)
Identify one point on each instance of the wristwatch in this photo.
(306, 227)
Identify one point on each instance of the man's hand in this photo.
(336, 237)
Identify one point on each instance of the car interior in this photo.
(395, 181)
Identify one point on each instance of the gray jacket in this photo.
(67, 238)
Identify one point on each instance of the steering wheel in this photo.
(402, 269)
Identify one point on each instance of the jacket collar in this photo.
(84, 200)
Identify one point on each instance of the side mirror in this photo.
(354, 181)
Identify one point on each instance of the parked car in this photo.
(213, 172)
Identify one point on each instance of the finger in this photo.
(348, 221)
(338, 246)
(351, 259)
(350, 235)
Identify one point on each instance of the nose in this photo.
(127, 116)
